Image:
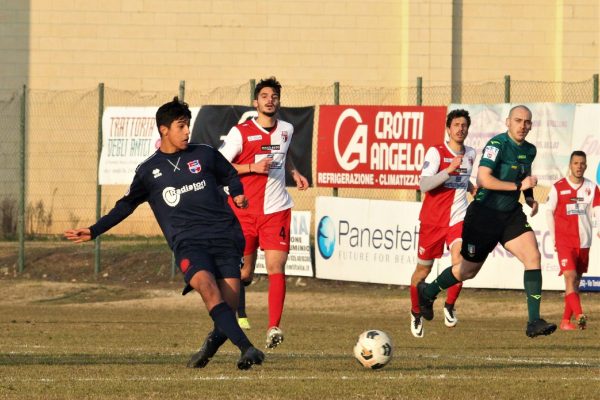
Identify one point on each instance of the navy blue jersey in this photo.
(183, 190)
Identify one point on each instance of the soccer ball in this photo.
(373, 349)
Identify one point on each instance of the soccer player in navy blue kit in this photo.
(181, 183)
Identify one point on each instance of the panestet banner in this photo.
(129, 136)
(299, 262)
(361, 240)
(376, 146)
(366, 240)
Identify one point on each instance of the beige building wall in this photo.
(150, 45)
(142, 49)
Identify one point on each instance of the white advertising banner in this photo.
(503, 271)
(376, 241)
(366, 240)
(299, 261)
(586, 137)
(129, 136)
(551, 134)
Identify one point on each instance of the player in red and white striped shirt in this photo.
(573, 202)
(258, 150)
(445, 182)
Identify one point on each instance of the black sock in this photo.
(443, 281)
(532, 280)
(241, 311)
(225, 321)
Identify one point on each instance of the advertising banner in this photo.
(366, 240)
(586, 137)
(376, 146)
(299, 262)
(376, 241)
(551, 132)
(129, 136)
(214, 122)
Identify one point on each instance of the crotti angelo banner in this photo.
(376, 146)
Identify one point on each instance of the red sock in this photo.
(574, 303)
(414, 299)
(567, 313)
(276, 298)
(453, 292)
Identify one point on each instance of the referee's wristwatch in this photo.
(519, 184)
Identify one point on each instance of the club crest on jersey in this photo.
(588, 191)
(490, 152)
(156, 173)
(194, 166)
(284, 136)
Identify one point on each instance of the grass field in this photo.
(77, 341)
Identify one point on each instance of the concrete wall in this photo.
(141, 49)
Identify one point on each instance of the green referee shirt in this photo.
(509, 162)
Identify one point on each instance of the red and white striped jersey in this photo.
(573, 207)
(446, 204)
(249, 143)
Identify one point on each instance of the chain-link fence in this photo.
(61, 142)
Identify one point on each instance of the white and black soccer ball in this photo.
(373, 349)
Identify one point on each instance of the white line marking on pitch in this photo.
(370, 377)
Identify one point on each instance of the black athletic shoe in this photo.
(539, 327)
(425, 303)
(250, 357)
(207, 351)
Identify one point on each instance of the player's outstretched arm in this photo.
(78, 235)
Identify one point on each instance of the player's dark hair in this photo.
(458, 114)
(578, 153)
(269, 82)
(172, 111)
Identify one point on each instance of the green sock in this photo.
(532, 280)
(443, 281)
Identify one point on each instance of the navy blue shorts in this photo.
(220, 257)
(484, 228)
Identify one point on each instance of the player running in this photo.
(258, 150)
(181, 183)
(445, 180)
(572, 204)
(496, 216)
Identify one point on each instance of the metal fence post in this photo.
(22, 163)
(252, 87)
(181, 97)
(507, 88)
(336, 101)
(97, 241)
(181, 91)
(595, 94)
(419, 103)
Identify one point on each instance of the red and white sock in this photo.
(453, 292)
(276, 298)
(414, 300)
(572, 299)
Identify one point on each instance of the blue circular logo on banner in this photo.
(598, 173)
(326, 237)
